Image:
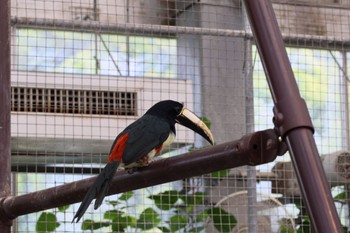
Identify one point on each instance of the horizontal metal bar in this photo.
(120, 28)
(300, 40)
(254, 149)
(55, 169)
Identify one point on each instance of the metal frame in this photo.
(291, 117)
(5, 106)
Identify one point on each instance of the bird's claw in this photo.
(131, 170)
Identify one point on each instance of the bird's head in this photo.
(175, 112)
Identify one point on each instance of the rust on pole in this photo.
(291, 117)
(5, 111)
(253, 149)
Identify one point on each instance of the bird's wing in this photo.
(144, 135)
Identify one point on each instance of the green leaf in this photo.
(113, 203)
(206, 121)
(119, 220)
(201, 217)
(285, 229)
(306, 219)
(285, 226)
(195, 229)
(223, 221)
(340, 197)
(112, 214)
(178, 222)
(149, 218)
(193, 199)
(123, 222)
(92, 225)
(126, 196)
(164, 229)
(165, 200)
(220, 174)
(47, 222)
(63, 208)
(305, 227)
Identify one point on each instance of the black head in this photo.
(167, 109)
(174, 112)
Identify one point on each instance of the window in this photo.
(321, 83)
(88, 53)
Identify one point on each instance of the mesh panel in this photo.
(81, 71)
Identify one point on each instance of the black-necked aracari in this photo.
(139, 142)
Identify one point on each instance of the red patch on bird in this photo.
(159, 149)
(118, 149)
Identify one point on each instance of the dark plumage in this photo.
(138, 143)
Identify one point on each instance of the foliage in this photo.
(305, 225)
(187, 212)
(182, 209)
(223, 221)
(206, 121)
(47, 222)
(340, 197)
(220, 174)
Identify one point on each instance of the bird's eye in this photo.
(178, 109)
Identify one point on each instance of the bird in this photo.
(140, 142)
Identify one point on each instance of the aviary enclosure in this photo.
(75, 73)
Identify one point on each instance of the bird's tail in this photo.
(98, 190)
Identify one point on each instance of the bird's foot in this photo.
(131, 170)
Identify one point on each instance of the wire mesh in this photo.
(84, 70)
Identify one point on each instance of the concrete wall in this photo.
(78, 133)
(332, 22)
(215, 65)
(105, 11)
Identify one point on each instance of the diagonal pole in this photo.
(292, 118)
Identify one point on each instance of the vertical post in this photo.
(292, 117)
(344, 93)
(5, 150)
(251, 170)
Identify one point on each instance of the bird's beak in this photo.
(191, 121)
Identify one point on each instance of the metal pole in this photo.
(130, 28)
(292, 117)
(5, 110)
(251, 170)
(122, 28)
(260, 147)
